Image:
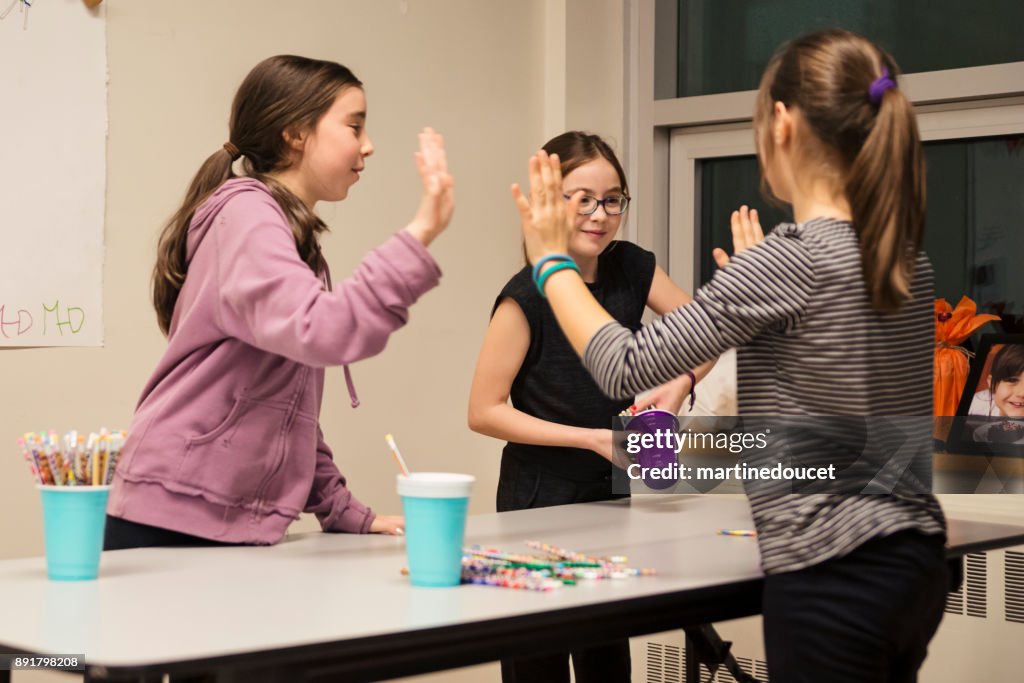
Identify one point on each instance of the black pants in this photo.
(520, 487)
(120, 534)
(863, 618)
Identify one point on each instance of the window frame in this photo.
(666, 138)
(689, 146)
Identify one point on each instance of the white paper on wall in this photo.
(53, 127)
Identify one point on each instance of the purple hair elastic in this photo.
(879, 86)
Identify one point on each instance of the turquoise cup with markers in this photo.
(74, 518)
(435, 505)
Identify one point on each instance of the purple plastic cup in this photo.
(651, 422)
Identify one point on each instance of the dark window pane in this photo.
(723, 45)
(725, 185)
(975, 230)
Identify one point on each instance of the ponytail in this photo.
(305, 224)
(171, 267)
(866, 142)
(885, 186)
(169, 271)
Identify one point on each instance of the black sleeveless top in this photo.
(552, 383)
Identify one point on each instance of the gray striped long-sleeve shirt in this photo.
(809, 343)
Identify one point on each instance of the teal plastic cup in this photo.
(74, 518)
(435, 504)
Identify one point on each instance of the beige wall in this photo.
(470, 68)
(595, 69)
(497, 77)
(484, 72)
(480, 71)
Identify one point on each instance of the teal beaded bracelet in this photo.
(563, 265)
(550, 257)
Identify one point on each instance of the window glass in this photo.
(974, 234)
(723, 45)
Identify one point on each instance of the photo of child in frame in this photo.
(992, 406)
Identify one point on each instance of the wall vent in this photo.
(666, 664)
(755, 667)
(976, 581)
(972, 597)
(1013, 575)
(955, 601)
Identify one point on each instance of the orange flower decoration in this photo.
(952, 327)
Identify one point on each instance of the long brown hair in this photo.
(282, 94)
(870, 147)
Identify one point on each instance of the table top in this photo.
(158, 605)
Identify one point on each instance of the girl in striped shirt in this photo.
(831, 316)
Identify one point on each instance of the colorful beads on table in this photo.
(554, 568)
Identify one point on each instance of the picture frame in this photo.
(990, 417)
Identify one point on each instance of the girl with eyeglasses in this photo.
(557, 426)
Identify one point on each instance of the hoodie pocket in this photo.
(232, 460)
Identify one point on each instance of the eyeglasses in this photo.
(615, 205)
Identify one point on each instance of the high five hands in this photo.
(547, 223)
(746, 232)
(546, 216)
(438, 201)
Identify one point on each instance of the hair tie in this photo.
(879, 86)
(232, 150)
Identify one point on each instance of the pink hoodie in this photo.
(226, 442)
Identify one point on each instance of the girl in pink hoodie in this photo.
(225, 445)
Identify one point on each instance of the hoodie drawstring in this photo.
(351, 388)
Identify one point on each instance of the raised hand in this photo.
(546, 217)
(746, 232)
(438, 201)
